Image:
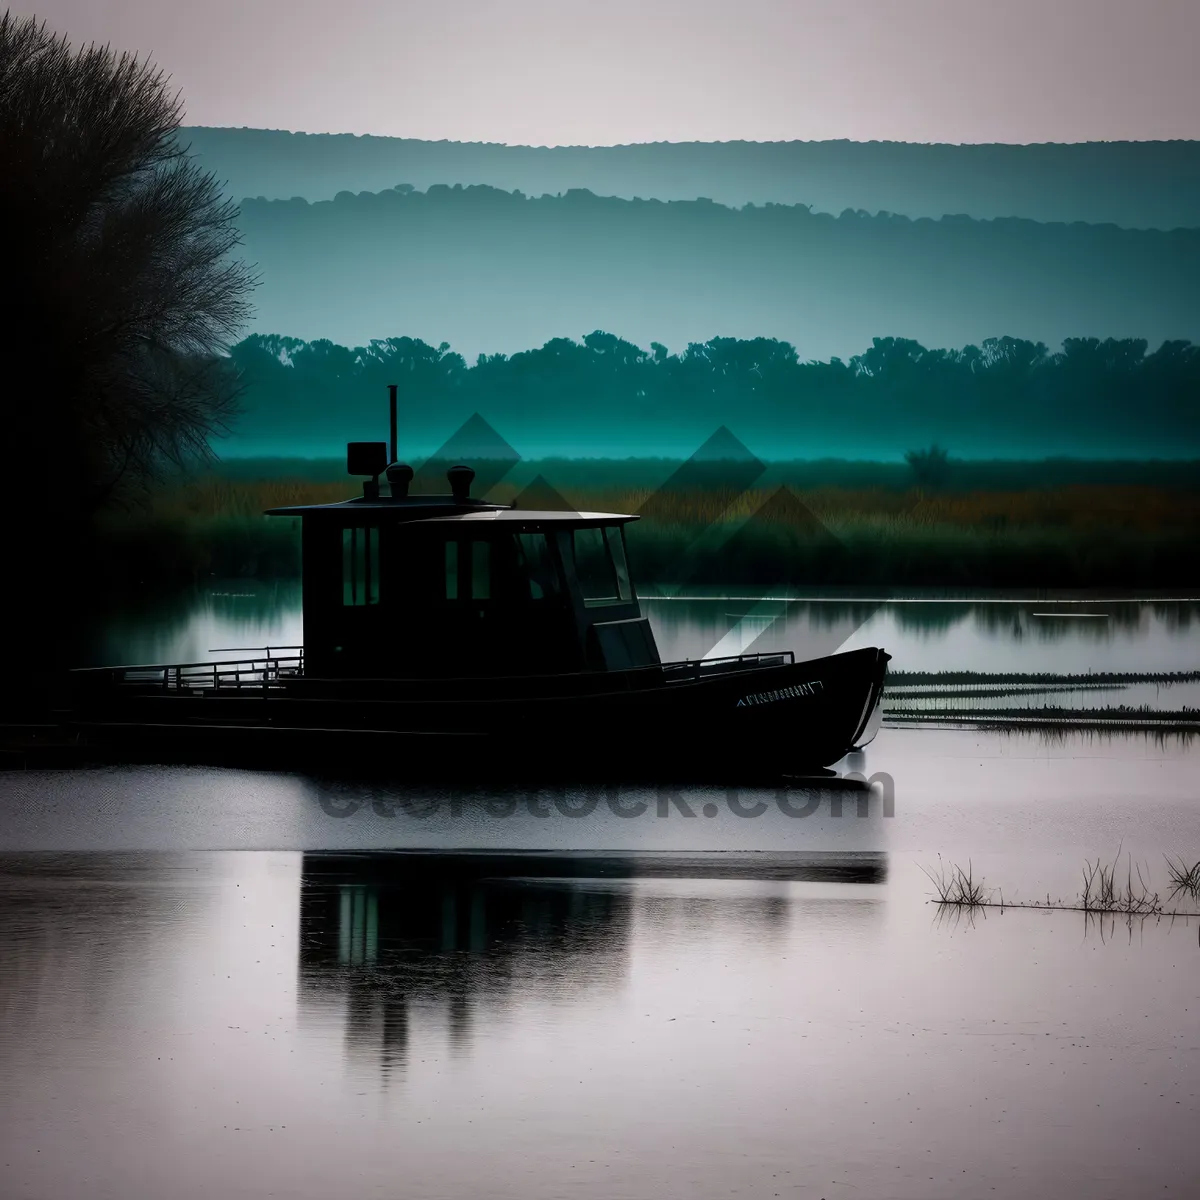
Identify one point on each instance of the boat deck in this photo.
(282, 674)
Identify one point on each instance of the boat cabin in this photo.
(402, 586)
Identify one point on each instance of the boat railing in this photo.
(274, 668)
(695, 668)
(679, 671)
(260, 671)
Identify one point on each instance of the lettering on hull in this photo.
(795, 692)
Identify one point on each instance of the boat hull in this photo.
(760, 721)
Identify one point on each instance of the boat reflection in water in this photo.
(391, 938)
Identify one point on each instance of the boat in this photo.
(447, 636)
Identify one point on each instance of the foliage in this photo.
(118, 281)
(1111, 397)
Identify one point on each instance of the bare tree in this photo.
(119, 290)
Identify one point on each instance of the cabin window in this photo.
(360, 566)
(469, 569)
(600, 566)
(614, 535)
(594, 566)
(481, 570)
(536, 565)
(499, 569)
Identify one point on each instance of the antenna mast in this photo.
(392, 409)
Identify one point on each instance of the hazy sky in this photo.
(554, 72)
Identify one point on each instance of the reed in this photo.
(1120, 715)
(957, 886)
(1103, 890)
(1106, 890)
(843, 510)
(1185, 880)
(991, 678)
(1067, 537)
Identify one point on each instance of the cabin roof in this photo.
(411, 507)
(539, 516)
(446, 508)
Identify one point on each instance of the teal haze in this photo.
(1135, 184)
(493, 272)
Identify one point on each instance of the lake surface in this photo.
(689, 992)
(1065, 633)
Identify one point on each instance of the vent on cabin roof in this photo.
(460, 478)
(399, 475)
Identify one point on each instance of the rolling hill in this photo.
(491, 271)
(1135, 184)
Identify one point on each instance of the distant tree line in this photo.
(1003, 397)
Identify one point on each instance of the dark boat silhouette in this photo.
(466, 638)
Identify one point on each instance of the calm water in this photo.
(1058, 636)
(926, 634)
(195, 1003)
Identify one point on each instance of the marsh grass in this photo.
(968, 696)
(1106, 890)
(956, 886)
(844, 511)
(1185, 880)
(968, 679)
(900, 698)
(1081, 535)
(1047, 714)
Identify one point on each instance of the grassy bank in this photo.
(630, 474)
(1072, 535)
